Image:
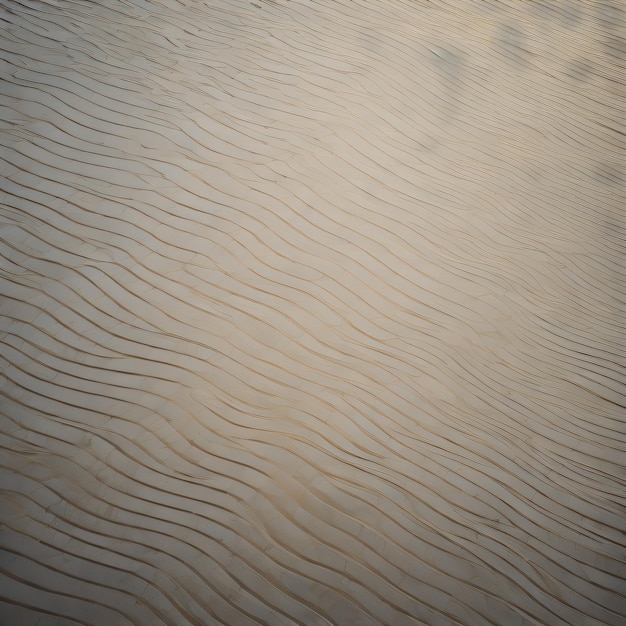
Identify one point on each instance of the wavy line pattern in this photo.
(313, 312)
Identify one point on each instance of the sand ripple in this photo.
(313, 312)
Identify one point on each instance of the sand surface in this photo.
(314, 312)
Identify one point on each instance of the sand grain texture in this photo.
(313, 312)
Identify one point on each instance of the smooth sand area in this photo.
(314, 312)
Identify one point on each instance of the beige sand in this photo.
(313, 312)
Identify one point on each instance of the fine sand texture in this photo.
(313, 312)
